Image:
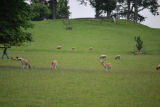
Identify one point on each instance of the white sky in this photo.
(81, 11)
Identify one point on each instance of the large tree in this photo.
(40, 11)
(53, 7)
(101, 6)
(108, 6)
(15, 16)
(62, 9)
(59, 8)
(133, 7)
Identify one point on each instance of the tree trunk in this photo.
(136, 11)
(108, 14)
(54, 9)
(97, 13)
(128, 11)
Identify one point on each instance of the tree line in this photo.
(123, 8)
(129, 9)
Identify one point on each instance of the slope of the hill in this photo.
(106, 37)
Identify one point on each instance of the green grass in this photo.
(81, 81)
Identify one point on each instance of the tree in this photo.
(15, 16)
(40, 11)
(59, 8)
(108, 6)
(139, 43)
(101, 6)
(133, 7)
(62, 9)
(53, 7)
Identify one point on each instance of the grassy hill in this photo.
(81, 81)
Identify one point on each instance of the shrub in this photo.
(139, 43)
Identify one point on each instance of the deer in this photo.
(14, 59)
(107, 66)
(158, 67)
(59, 47)
(24, 62)
(117, 57)
(54, 65)
(91, 48)
(73, 48)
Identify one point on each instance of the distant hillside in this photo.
(103, 37)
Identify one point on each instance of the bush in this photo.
(139, 44)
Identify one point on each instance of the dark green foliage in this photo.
(62, 9)
(15, 18)
(58, 8)
(131, 8)
(40, 11)
(101, 6)
(108, 6)
(139, 43)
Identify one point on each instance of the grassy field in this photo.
(81, 81)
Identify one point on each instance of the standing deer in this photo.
(54, 65)
(24, 62)
(107, 66)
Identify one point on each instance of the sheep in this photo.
(158, 67)
(117, 57)
(59, 47)
(54, 65)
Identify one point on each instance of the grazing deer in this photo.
(102, 57)
(158, 67)
(91, 48)
(14, 59)
(69, 28)
(59, 47)
(64, 21)
(24, 62)
(73, 48)
(107, 66)
(54, 65)
(117, 57)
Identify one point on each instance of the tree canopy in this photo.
(131, 8)
(101, 6)
(15, 16)
(62, 9)
(40, 11)
(50, 9)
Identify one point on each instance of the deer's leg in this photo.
(55, 67)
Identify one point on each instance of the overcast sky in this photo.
(81, 11)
